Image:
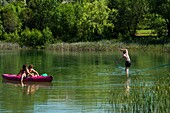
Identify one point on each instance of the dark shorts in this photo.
(127, 63)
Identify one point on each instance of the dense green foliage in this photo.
(35, 23)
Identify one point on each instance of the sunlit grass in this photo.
(146, 33)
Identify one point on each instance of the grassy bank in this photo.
(106, 46)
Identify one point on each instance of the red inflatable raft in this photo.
(14, 77)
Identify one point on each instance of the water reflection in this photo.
(127, 86)
(28, 87)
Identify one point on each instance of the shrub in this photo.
(11, 37)
(47, 36)
(31, 38)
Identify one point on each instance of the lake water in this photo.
(84, 82)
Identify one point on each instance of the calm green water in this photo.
(89, 82)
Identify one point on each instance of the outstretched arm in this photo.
(124, 50)
(35, 72)
(29, 72)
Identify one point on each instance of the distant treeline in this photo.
(37, 23)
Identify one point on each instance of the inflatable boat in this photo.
(41, 78)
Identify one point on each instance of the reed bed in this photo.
(142, 101)
(142, 98)
(105, 46)
(9, 46)
(83, 46)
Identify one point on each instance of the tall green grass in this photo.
(142, 98)
(105, 46)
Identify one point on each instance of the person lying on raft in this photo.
(33, 71)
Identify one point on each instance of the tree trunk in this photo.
(168, 28)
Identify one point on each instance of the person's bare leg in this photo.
(22, 77)
(22, 84)
(127, 72)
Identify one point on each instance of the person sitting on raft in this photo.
(33, 71)
(24, 72)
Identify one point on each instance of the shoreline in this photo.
(92, 46)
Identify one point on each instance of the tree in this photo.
(130, 13)
(26, 17)
(10, 19)
(31, 38)
(42, 13)
(65, 22)
(47, 37)
(93, 20)
(161, 7)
